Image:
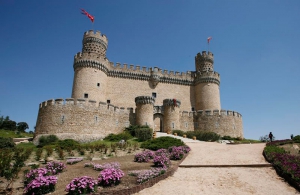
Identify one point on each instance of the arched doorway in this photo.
(158, 122)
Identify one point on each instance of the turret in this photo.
(207, 83)
(94, 43)
(90, 68)
(204, 62)
(144, 110)
(171, 114)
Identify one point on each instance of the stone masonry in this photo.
(108, 97)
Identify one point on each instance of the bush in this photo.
(161, 142)
(296, 138)
(81, 185)
(131, 129)
(271, 150)
(118, 137)
(162, 160)
(203, 135)
(55, 167)
(68, 143)
(47, 140)
(41, 185)
(144, 156)
(143, 134)
(6, 142)
(179, 132)
(176, 153)
(110, 176)
(146, 175)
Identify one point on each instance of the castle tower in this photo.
(144, 110)
(171, 114)
(207, 83)
(90, 68)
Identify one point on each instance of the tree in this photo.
(22, 126)
(9, 125)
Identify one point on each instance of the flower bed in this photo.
(55, 167)
(74, 160)
(82, 185)
(286, 165)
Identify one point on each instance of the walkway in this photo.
(211, 178)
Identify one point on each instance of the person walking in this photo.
(271, 136)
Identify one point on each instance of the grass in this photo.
(13, 134)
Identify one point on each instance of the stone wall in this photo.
(224, 122)
(81, 119)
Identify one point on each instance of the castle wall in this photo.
(207, 96)
(123, 91)
(89, 81)
(80, 119)
(224, 122)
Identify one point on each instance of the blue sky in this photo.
(255, 44)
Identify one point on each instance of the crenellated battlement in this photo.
(96, 35)
(83, 103)
(207, 77)
(202, 113)
(209, 56)
(144, 73)
(144, 100)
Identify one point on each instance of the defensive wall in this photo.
(87, 120)
(81, 119)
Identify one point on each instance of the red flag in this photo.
(208, 39)
(87, 14)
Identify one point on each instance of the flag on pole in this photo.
(87, 14)
(208, 39)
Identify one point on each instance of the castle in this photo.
(108, 97)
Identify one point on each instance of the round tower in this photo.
(90, 68)
(171, 114)
(144, 110)
(207, 83)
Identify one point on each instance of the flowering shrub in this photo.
(110, 176)
(74, 160)
(146, 175)
(34, 173)
(41, 185)
(99, 167)
(176, 153)
(185, 149)
(81, 185)
(144, 156)
(162, 160)
(288, 164)
(55, 167)
(135, 172)
(272, 150)
(162, 151)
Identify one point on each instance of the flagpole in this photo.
(208, 46)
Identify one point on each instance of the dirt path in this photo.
(241, 180)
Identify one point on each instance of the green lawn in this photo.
(13, 134)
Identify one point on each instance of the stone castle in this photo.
(108, 97)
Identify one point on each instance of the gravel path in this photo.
(235, 180)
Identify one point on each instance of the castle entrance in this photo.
(158, 122)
